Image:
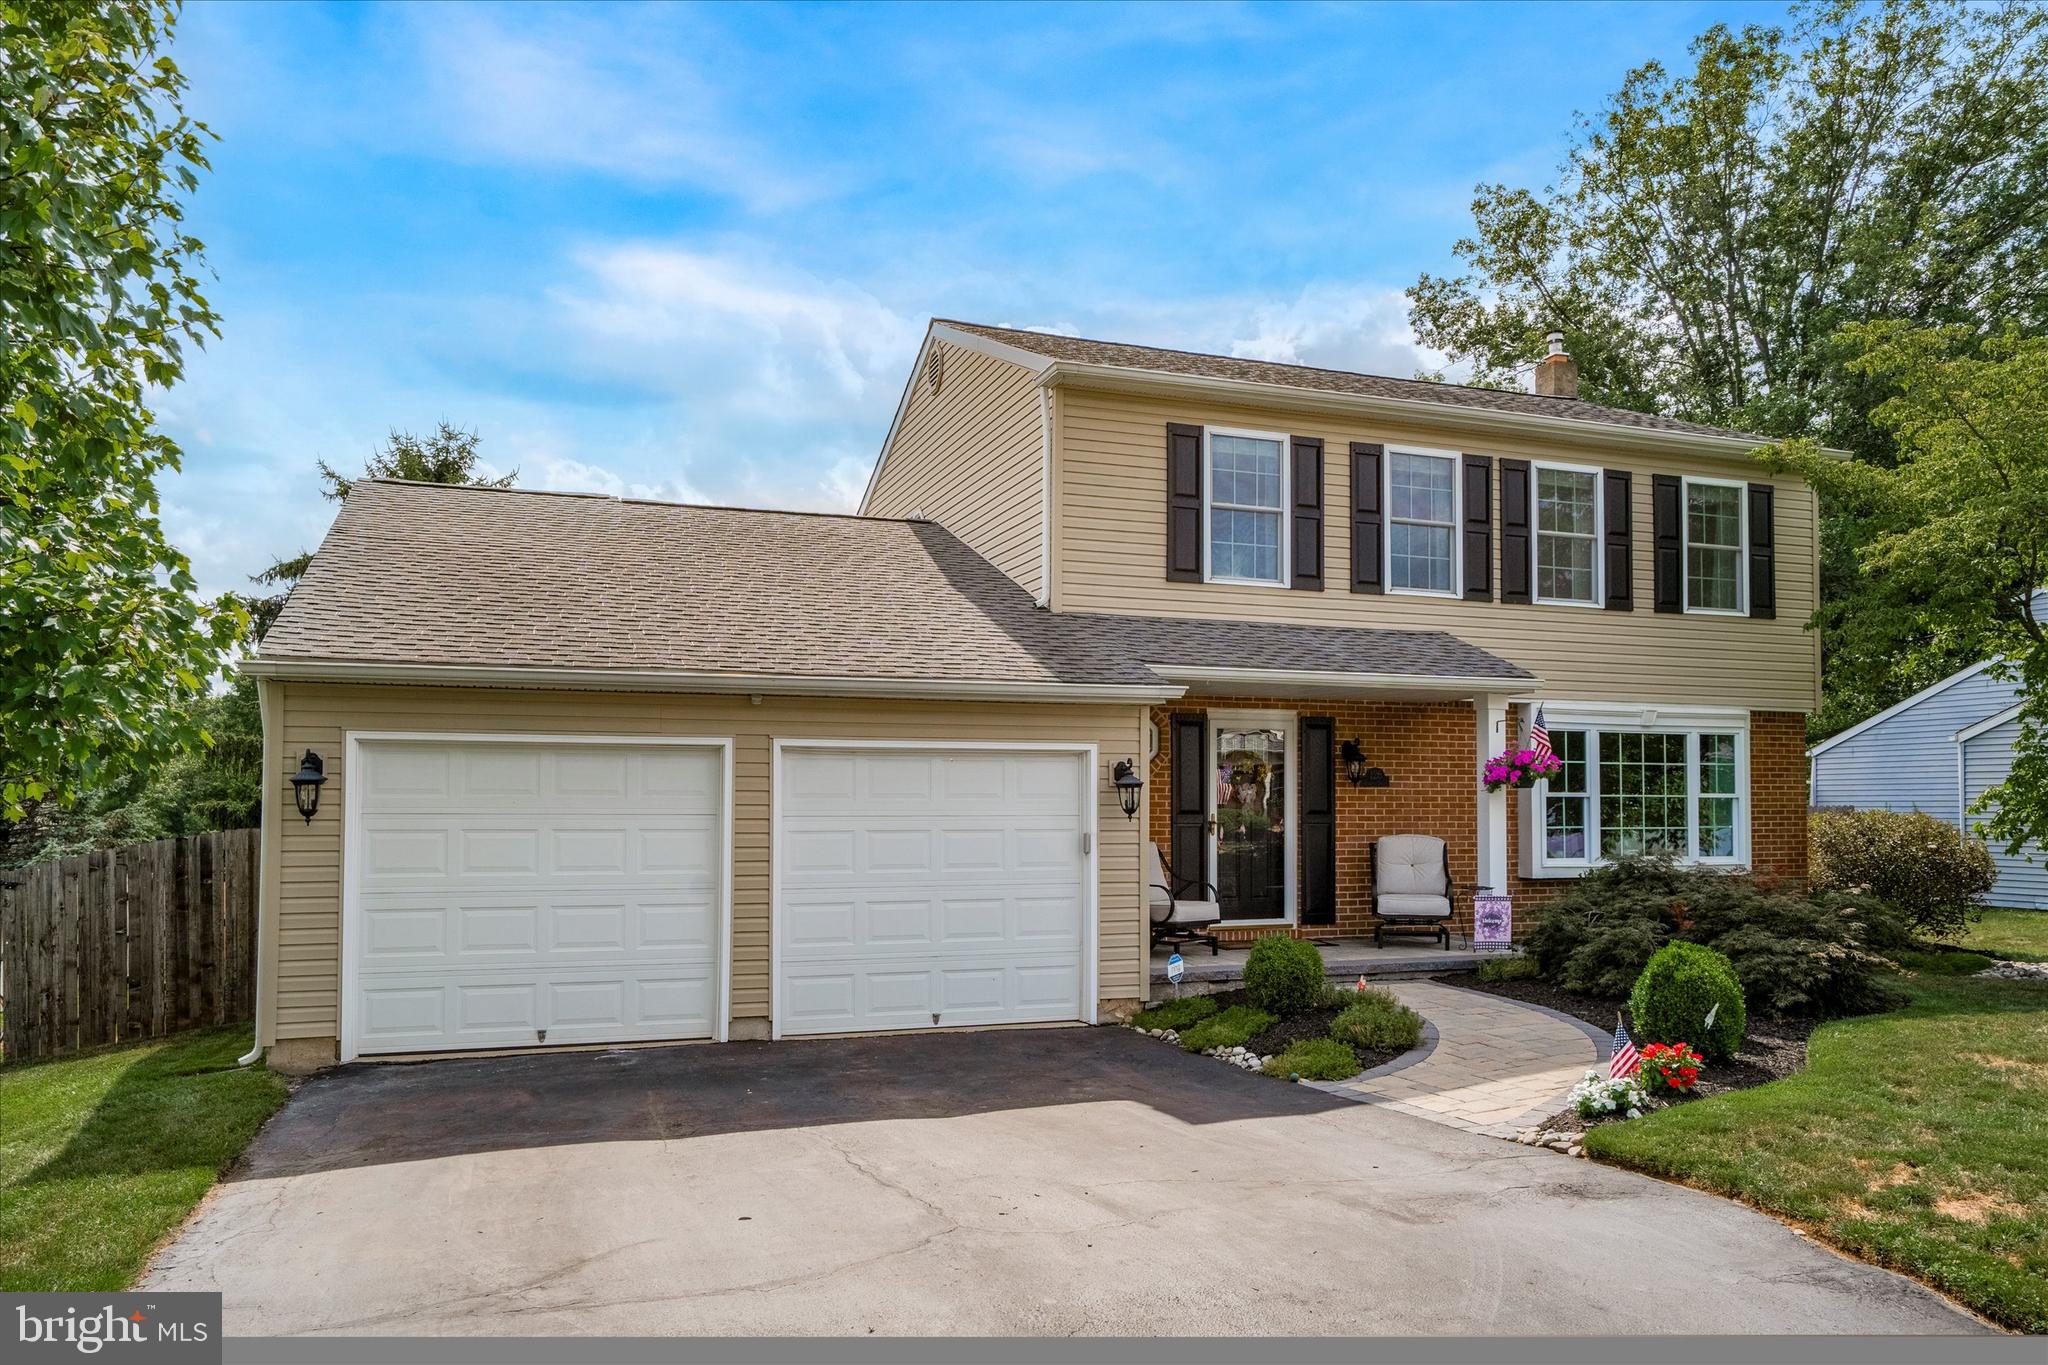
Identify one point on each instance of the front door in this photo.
(1251, 838)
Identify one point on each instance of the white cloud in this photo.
(614, 94)
(736, 334)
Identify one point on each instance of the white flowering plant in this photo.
(1600, 1097)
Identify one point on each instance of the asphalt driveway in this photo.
(1041, 1182)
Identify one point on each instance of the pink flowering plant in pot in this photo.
(1520, 768)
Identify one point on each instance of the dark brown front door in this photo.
(1253, 780)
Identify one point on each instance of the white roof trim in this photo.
(1922, 695)
(938, 331)
(676, 680)
(1341, 680)
(1970, 732)
(1405, 409)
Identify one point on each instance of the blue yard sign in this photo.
(1175, 969)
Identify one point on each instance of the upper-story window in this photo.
(1422, 521)
(1246, 487)
(1716, 536)
(1567, 535)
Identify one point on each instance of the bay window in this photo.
(1628, 789)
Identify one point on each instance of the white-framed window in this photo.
(1641, 783)
(1244, 507)
(1567, 531)
(1423, 507)
(1716, 546)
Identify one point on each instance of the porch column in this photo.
(1490, 711)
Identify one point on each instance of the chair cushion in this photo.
(1413, 907)
(1191, 912)
(1410, 864)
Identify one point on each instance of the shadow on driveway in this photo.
(371, 1113)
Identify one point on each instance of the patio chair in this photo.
(1177, 918)
(1411, 886)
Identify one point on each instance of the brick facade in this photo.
(1427, 750)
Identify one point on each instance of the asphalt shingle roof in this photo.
(414, 573)
(1124, 356)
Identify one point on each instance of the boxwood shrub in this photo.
(1516, 968)
(1682, 985)
(1284, 975)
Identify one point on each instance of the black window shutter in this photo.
(1763, 554)
(1667, 512)
(1318, 820)
(1188, 799)
(1307, 546)
(1368, 522)
(1515, 518)
(1620, 555)
(1183, 502)
(1478, 528)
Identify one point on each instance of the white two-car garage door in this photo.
(505, 894)
(921, 888)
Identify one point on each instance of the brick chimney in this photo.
(1557, 374)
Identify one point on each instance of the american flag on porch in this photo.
(1539, 737)
(1626, 1058)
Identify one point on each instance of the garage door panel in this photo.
(506, 892)
(911, 885)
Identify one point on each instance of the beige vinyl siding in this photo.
(307, 922)
(1110, 542)
(969, 457)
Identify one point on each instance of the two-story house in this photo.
(594, 769)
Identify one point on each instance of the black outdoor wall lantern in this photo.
(1128, 784)
(306, 784)
(1356, 769)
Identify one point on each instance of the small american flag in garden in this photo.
(1626, 1057)
(1539, 736)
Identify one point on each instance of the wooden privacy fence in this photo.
(129, 943)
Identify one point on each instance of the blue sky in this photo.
(689, 253)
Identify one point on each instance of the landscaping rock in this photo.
(2017, 971)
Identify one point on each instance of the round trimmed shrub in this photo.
(1683, 984)
(1375, 1019)
(1284, 975)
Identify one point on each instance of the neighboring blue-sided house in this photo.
(1937, 751)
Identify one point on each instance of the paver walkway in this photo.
(1498, 1065)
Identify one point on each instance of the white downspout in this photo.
(267, 855)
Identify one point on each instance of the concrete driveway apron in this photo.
(1059, 1181)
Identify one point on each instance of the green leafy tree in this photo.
(1711, 232)
(104, 643)
(1960, 523)
(448, 456)
(218, 785)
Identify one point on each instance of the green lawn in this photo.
(102, 1155)
(2019, 935)
(1917, 1140)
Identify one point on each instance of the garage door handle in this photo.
(1087, 843)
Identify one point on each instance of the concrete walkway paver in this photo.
(1497, 1067)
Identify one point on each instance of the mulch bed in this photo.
(1297, 1028)
(1771, 1050)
